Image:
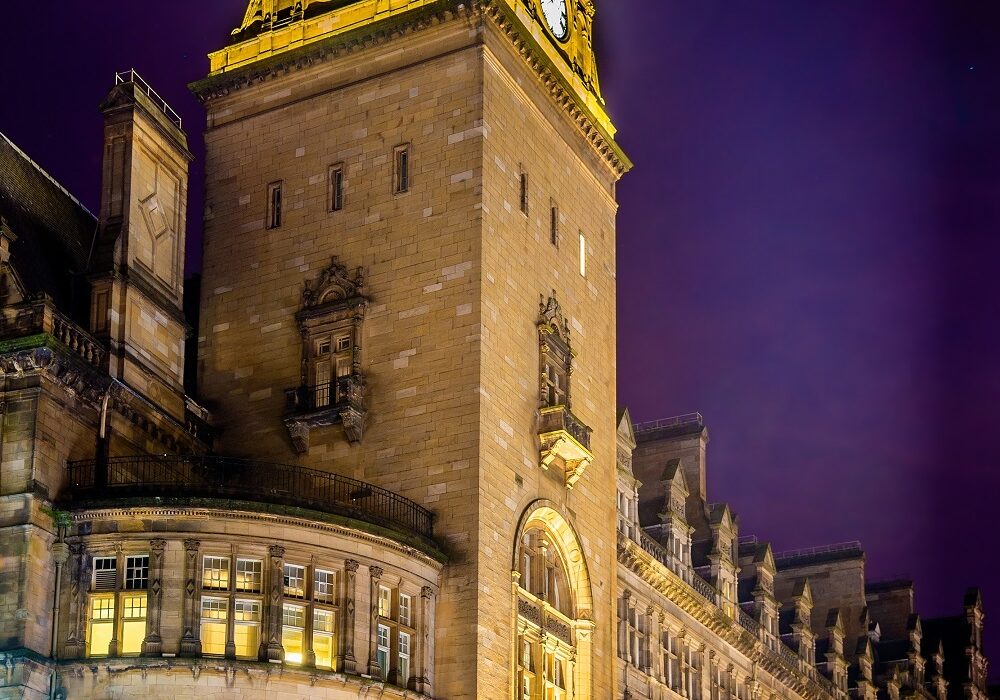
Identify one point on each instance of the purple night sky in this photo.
(809, 244)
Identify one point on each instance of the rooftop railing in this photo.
(825, 549)
(130, 76)
(250, 480)
(675, 422)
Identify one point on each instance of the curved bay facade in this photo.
(387, 462)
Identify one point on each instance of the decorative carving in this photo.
(274, 651)
(191, 638)
(373, 666)
(351, 565)
(559, 629)
(529, 611)
(551, 318)
(334, 284)
(347, 661)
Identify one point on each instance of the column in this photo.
(230, 650)
(309, 657)
(152, 645)
(373, 668)
(276, 604)
(75, 644)
(191, 639)
(425, 642)
(119, 585)
(657, 646)
(623, 627)
(646, 642)
(347, 663)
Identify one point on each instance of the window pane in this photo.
(105, 573)
(295, 581)
(292, 639)
(323, 621)
(102, 615)
(213, 638)
(133, 632)
(324, 649)
(247, 639)
(137, 573)
(247, 611)
(384, 602)
(405, 603)
(216, 573)
(325, 586)
(249, 575)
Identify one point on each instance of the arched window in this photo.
(552, 598)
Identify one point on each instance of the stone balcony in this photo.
(565, 443)
(338, 402)
(39, 318)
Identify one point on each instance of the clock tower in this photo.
(410, 237)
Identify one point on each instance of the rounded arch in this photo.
(545, 515)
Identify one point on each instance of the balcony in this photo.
(338, 402)
(40, 317)
(214, 477)
(565, 442)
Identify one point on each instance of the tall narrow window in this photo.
(324, 588)
(384, 602)
(524, 192)
(405, 605)
(583, 254)
(382, 653)
(102, 625)
(293, 633)
(403, 670)
(295, 581)
(214, 614)
(336, 187)
(554, 226)
(323, 640)
(402, 174)
(101, 304)
(133, 623)
(246, 628)
(274, 205)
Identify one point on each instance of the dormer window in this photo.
(332, 385)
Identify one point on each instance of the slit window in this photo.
(583, 255)
(402, 169)
(274, 205)
(554, 226)
(524, 192)
(336, 187)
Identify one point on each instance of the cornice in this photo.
(496, 11)
(676, 590)
(216, 514)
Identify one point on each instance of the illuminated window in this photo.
(137, 573)
(336, 187)
(249, 575)
(401, 157)
(274, 205)
(102, 625)
(382, 654)
(214, 615)
(295, 581)
(405, 607)
(384, 602)
(555, 679)
(215, 574)
(325, 586)
(133, 623)
(105, 573)
(403, 670)
(323, 638)
(526, 669)
(246, 630)
(293, 632)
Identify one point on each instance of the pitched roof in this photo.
(54, 230)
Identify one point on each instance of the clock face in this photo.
(557, 17)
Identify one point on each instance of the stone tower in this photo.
(410, 249)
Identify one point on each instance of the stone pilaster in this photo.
(75, 643)
(191, 639)
(119, 585)
(425, 643)
(347, 662)
(646, 642)
(373, 668)
(152, 645)
(275, 604)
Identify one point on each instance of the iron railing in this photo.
(230, 478)
(130, 76)
(676, 421)
(825, 549)
(343, 391)
(561, 418)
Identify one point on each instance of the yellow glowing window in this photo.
(249, 575)
(133, 623)
(323, 643)
(215, 575)
(102, 626)
(293, 633)
(384, 602)
(246, 631)
(325, 587)
(295, 581)
(405, 610)
(214, 613)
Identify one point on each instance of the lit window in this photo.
(583, 255)
(246, 630)
(137, 573)
(384, 602)
(293, 633)
(402, 169)
(336, 187)
(105, 573)
(403, 671)
(295, 581)
(215, 575)
(382, 654)
(102, 625)
(133, 623)
(323, 638)
(274, 205)
(325, 588)
(214, 614)
(405, 606)
(249, 575)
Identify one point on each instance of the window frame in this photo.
(402, 168)
(336, 188)
(275, 204)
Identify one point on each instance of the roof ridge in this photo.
(46, 175)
